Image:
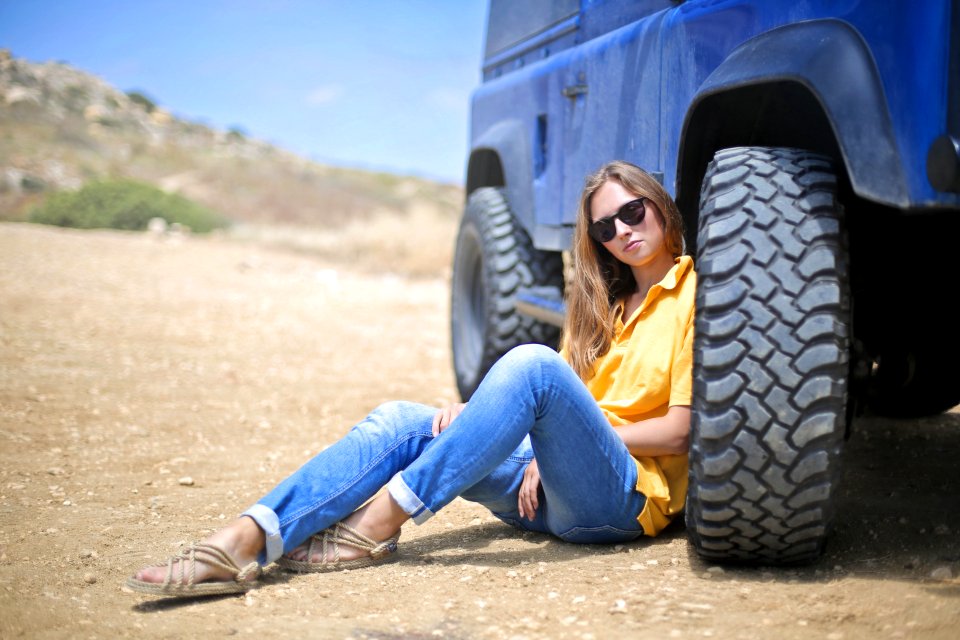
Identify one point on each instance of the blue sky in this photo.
(370, 83)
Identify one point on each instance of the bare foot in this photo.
(242, 540)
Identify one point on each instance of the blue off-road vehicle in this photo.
(814, 150)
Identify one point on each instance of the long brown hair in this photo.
(600, 281)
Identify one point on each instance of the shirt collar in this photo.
(680, 267)
(669, 282)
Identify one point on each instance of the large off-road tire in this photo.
(494, 260)
(771, 357)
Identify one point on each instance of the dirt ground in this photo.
(151, 389)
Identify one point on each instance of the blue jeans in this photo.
(530, 404)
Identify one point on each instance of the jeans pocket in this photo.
(599, 535)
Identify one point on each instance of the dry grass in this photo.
(248, 181)
(419, 243)
(375, 221)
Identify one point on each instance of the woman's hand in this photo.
(445, 416)
(529, 498)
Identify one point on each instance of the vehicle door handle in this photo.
(574, 90)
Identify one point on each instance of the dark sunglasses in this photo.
(631, 213)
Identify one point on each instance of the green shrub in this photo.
(123, 204)
(32, 184)
(138, 97)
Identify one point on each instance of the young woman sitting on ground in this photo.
(589, 445)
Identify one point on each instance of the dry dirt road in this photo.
(129, 364)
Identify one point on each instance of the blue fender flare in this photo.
(833, 63)
(507, 146)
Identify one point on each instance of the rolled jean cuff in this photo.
(408, 500)
(267, 520)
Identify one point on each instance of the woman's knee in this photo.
(398, 416)
(532, 356)
(528, 365)
(392, 409)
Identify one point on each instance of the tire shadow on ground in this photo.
(897, 509)
(477, 545)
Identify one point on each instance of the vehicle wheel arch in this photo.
(500, 157)
(484, 169)
(766, 95)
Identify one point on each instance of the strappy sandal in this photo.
(185, 585)
(341, 534)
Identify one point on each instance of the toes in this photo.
(299, 554)
(145, 575)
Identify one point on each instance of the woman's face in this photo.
(638, 245)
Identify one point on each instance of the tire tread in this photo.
(770, 358)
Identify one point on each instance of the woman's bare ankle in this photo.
(379, 519)
(243, 539)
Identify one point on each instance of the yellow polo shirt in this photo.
(647, 370)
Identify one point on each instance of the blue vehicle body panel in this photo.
(625, 79)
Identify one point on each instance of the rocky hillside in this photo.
(60, 127)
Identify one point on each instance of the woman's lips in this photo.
(633, 244)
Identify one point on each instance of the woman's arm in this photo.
(667, 435)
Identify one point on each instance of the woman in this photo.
(588, 445)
